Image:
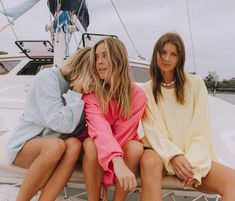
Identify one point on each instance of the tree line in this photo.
(214, 84)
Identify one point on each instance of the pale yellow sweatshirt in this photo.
(172, 129)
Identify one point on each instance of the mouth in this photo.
(167, 65)
(102, 70)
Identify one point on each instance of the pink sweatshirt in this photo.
(109, 132)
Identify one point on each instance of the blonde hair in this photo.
(179, 73)
(80, 63)
(118, 86)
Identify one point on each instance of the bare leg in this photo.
(40, 156)
(133, 151)
(63, 171)
(220, 180)
(151, 167)
(92, 170)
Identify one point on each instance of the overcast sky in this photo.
(212, 26)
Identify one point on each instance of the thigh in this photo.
(32, 149)
(133, 147)
(218, 178)
(90, 151)
(89, 145)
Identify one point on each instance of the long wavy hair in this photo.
(179, 73)
(81, 65)
(118, 85)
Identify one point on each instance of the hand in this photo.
(65, 71)
(103, 193)
(77, 86)
(125, 176)
(183, 170)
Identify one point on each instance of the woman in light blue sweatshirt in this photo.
(53, 107)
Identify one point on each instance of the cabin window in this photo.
(140, 74)
(7, 66)
(32, 68)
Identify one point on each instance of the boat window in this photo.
(32, 68)
(139, 74)
(7, 66)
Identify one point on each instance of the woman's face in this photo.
(102, 62)
(168, 58)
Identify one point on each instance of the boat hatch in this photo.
(40, 50)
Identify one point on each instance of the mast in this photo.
(69, 16)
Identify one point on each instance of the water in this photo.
(227, 97)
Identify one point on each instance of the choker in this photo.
(168, 84)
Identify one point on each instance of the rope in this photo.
(191, 37)
(132, 42)
(9, 21)
(80, 8)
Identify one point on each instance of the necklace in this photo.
(168, 84)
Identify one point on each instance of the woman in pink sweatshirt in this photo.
(112, 113)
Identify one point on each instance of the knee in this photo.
(54, 150)
(90, 152)
(73, 148)
(133, 150)
(151, 162)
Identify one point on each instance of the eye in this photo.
(105, 55)
(96, 57)
(163, 52)
(174, 54)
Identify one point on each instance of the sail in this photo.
(19, 9)
(77, 6)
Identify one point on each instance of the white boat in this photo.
(15, 85)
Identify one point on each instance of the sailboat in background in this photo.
(72, 17)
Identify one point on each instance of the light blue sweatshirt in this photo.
(50, 108)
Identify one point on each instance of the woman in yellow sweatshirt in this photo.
(176, 124)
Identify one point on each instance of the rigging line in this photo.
(9, 21)
(76, 41)
(132, 42)
(77, 15)
(191, 37)
(80, 8)
(51, 29)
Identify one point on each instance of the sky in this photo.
(210, 43)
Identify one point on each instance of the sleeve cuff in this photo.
(72, 96)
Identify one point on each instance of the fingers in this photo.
(182, 168)
(188, 183)
(128, 183)
(125, 176)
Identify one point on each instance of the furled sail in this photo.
(76, 6)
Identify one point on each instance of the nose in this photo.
(166, 57)
(99, 60)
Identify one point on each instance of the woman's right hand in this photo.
(125, 176)
(183, 170)
(77, 86)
